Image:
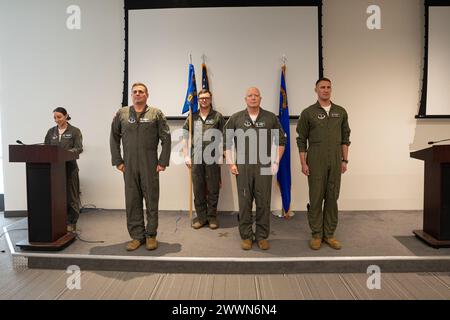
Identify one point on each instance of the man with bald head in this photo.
(256, 137)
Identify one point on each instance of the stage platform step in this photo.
(383, 239)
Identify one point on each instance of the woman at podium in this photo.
(68, 137)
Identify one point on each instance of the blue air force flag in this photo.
(191, 95)
(284, 171)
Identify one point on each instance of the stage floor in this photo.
(369, 238)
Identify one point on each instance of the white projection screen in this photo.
(436, 86)
(241, 46)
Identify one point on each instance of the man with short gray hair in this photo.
(140, 128)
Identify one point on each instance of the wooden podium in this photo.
(436, 209)
(46, 195)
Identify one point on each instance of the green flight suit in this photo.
(205, 175)
(140, 139)
(72, 140)
(254, 180)
(321, 136)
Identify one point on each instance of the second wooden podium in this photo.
(436, 209)
(46, 195)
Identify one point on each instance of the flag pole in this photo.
(192, 163)
(190, 154)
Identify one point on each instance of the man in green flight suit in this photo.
(323, 141)
(207, 127)
(254, 132)
(140, 128)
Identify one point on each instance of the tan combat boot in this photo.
(263, 244)
(213, 224)
(332, 242)
(133, 245)
(197, 225)
(246, 244)
(151, 243)
(315, 243)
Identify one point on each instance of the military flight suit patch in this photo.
(260, 124)
(131, 120)
(335, 115)
(321, 116)
(247, 123)
(209, 122)
(67, 136)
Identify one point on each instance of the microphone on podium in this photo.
(433, 142)
(33, 144)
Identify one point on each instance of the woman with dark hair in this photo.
(68, 137)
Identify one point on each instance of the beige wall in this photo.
(376, 76)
